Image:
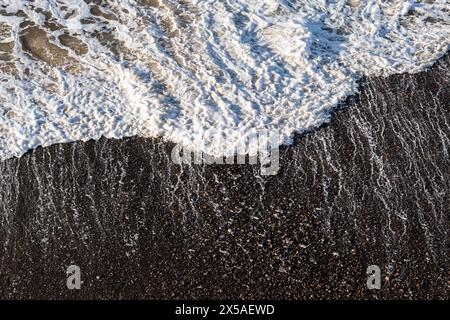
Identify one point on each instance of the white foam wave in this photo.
(78, 70)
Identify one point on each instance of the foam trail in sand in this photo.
(78, 70)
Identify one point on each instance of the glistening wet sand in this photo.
(371, 188)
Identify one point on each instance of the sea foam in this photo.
(182, 70)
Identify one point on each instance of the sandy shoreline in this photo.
(370, 188)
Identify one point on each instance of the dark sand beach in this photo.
(370, 188)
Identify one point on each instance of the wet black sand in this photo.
(371, 188)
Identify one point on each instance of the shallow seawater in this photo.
(369, 189)
(188, 70)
